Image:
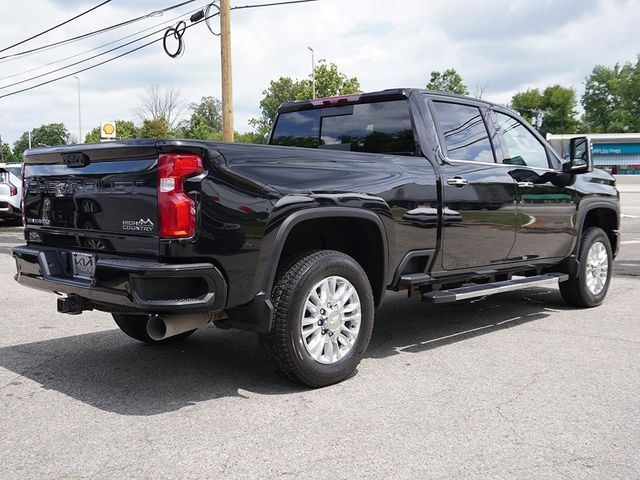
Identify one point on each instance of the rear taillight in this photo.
(13, 190)
(176, 210)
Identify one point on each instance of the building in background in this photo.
(618, 153)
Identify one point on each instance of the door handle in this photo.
(458, 182)
(526, 184)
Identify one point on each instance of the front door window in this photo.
(521, 147)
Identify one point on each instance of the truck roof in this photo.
(369, 97)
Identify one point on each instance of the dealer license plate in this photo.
(83, 265)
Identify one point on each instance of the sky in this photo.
(504, 45)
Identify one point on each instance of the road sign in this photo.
(108, 131)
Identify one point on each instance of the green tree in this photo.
(205, 120)
(559, 105)
(125, 130)
(8, 155)
(448, 81)
(632, 93)
(329, 82)
(156, 128)
(610, 99)
(51, 134)
(249, 137)
(285, 89)
(528, 104)
(556, 104)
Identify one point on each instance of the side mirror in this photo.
(580, 160)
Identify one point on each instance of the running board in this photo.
(475, 291)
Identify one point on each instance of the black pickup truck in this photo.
(447, 197)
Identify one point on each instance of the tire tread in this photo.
(573, 291)
(275, 343)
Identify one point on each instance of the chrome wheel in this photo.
(597, 268)
(331, 320)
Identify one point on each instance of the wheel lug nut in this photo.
(320, 322)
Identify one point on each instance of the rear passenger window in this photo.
(465, 133)
(372, 127)
(521, 148)
(383, 127)
(297, 129)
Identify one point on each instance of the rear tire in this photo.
(323, 318)
(135, 326)
(592, 284)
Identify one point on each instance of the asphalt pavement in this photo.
(513, 386)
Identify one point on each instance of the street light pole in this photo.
(79, 112)
(313, 72)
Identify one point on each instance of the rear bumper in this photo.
(123, 283)
(9, 211)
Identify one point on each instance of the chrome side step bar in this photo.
(475, 291)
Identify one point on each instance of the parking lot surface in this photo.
(513, 386)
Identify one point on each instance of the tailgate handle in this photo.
(75, 160)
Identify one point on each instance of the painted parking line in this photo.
(630, 242)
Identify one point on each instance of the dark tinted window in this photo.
(465, 132)
(383, 127)
(370, 127)
(520, 145)
(297, 129)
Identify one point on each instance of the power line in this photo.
(274, 4)
(95, 32)
(54, 27)
(128, 52)
(95, 65)
(64, 67)
(162, 25)
(80, 71)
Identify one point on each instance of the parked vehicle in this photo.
(10, 191)
(447, 197)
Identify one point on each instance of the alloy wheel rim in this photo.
(331, 319)
(597, 268)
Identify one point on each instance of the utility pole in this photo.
(1, 150)
(227, 77)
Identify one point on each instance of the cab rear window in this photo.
(383, 127)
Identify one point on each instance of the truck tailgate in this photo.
(96, 197)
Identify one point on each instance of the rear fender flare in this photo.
(311, 214)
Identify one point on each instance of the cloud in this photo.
(508, 45)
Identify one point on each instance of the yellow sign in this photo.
(108, 131)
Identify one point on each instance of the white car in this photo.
(10, 191)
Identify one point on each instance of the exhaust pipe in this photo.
(166, 326)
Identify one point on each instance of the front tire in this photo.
(592, 284)
(323, 318)
(135, 326)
